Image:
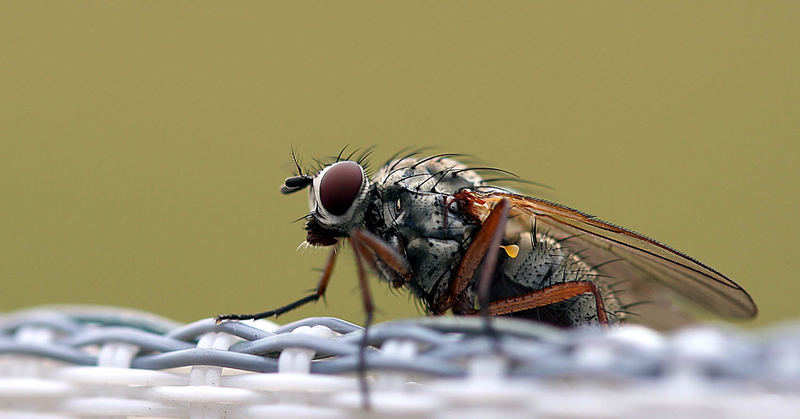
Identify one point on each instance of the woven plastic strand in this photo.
(75, 362)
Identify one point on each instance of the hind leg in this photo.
(551, 295)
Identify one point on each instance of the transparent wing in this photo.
(623, 254)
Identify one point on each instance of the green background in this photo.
(142, 143)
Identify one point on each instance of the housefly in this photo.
(458, 243)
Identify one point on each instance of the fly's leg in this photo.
(319, 292)
(369, 308)
(551, 295)
(481, 253)
(490, 259)
(374, 263)
(369, 246)
(372, 244)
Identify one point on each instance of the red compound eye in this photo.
(340, 186)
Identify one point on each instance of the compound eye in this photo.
(340, 186)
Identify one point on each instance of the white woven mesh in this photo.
(68, 362)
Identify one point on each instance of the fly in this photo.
(460, 244)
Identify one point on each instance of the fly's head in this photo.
(337, 200)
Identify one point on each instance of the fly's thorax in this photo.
(414, 197)
(429, 231)
(434, 262)
(440, 174)
(339, 197)
(436, 235)
(429, 215)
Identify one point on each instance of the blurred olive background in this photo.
(142, 143)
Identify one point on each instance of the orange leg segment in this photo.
(383, 250)
(359, 249)
(550, 295)
(483, 248)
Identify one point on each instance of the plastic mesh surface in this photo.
(64, 362)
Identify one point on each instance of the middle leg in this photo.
(482, 253)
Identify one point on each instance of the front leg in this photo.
(319, 292)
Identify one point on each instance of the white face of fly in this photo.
(338, 196)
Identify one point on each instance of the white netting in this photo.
(66, 362)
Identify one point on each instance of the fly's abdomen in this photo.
(542, 262)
